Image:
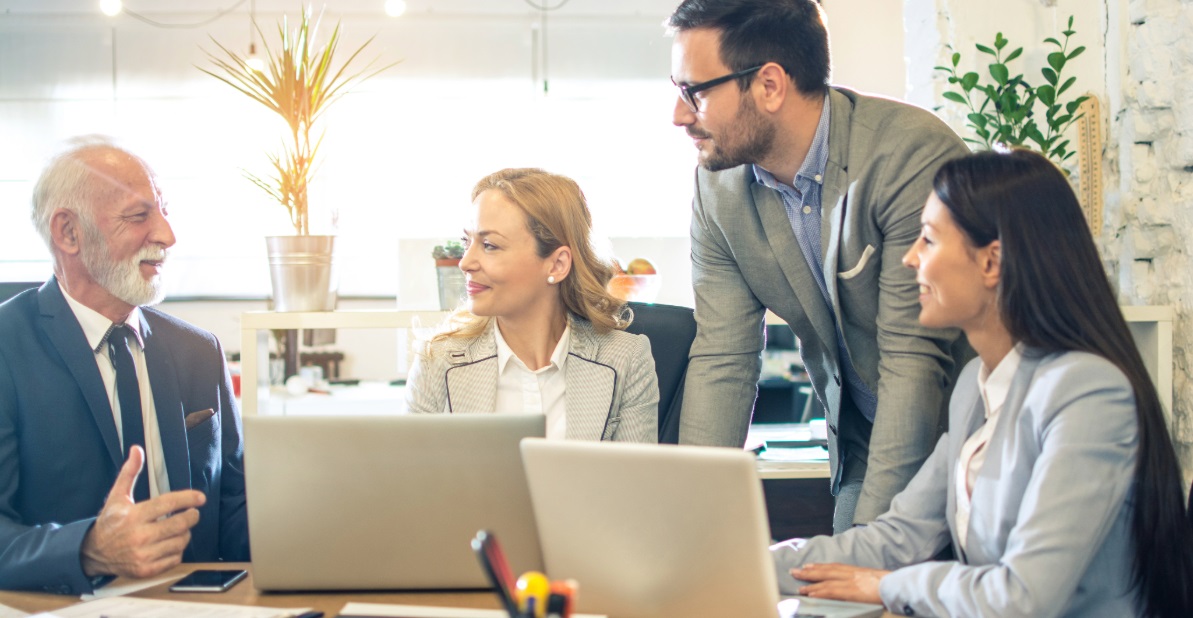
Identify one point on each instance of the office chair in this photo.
(671, 330)
(8, 289)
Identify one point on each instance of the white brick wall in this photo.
(1153, 135)
(1140, 64)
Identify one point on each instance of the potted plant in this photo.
(299, 83)
(451, 278)
(1003, 111)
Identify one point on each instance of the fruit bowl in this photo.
(640, 288)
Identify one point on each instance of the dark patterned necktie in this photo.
(128, 389)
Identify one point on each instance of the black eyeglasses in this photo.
(687, 92)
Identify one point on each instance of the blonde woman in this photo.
(539, 333)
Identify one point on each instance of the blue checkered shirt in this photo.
(802, 201)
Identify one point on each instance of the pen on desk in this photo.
(310, 614)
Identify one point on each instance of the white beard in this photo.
(123, 279)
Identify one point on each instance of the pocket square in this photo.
(194, 419)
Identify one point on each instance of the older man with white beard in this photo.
(106, 405)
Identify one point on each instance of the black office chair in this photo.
(671, 330)
(8, 289)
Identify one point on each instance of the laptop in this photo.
(653, 531)
(391, 502)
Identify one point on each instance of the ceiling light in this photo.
(254, 60)
(395, 8)
(111, 7)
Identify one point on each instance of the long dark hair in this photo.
(1054, 296)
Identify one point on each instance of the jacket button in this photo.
(837, 379)
(907, 610)
(833, 428)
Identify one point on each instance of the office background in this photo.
(468, 97)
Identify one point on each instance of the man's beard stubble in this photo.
(754, 138)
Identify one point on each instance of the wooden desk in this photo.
(798, 501)
(244, 593)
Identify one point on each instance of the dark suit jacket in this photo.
(60, 452)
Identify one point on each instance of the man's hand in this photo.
(841, 582)
(139, 540)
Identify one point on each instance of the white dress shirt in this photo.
(993, 386)
(522, 391)
(95, 327)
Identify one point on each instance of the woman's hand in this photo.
(841, 582)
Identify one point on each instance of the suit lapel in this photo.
(834, 191)
(992, 465)
(472, 378)
(167, 404)
(791, 260)
(590, 387)
(973, 422)
(64, 332)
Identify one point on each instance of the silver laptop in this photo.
(653, 531)
(341, 502)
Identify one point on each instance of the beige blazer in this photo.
(611, 390)
(745, 259)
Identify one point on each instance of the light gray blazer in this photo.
(745, 259)
(1050, 523)
(611, 389)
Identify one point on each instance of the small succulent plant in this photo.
(451, 250)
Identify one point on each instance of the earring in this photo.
(550, 278)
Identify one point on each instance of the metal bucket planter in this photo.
(451, 283)
(303, 272)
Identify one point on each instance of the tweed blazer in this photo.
(611, 391)
(1050, 524)
(745, 259)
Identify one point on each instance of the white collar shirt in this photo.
(95, 329)
(523, 391)
(993, 386)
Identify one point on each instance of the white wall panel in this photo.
(53, 59)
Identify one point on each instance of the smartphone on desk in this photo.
(204, 580)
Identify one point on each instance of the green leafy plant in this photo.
(1003, 111)
(451, 250)
(299, 84)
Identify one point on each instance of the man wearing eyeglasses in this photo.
(806, 198)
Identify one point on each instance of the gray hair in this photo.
(68, 183)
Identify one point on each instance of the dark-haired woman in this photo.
(1057, 483)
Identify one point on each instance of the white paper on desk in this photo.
(122, 586)
(814, 453)
(132, 607)
(11, 612)
(381, 610)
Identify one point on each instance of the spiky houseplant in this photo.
(299, 83)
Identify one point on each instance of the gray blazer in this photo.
(1050, 521)
(611, 389)
(745, 259)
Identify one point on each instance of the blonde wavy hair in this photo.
(557, 215)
